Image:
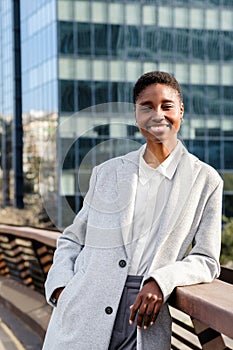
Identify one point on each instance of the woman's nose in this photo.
(157, 115)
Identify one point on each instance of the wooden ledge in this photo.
(210, 303)
(41, 235)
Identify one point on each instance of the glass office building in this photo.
(80, 60)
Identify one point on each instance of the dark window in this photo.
(69, 157)
(67, 95)
(213, 45)
(101, 92)
(133, 41)
(67, 213)
(228, 101)
(101, 39)
(102, 130)
(150, 42)
(227, 46)
(117, 42)
(181, 43)
(199, 103)
(197, 147)
(131, 130)
(214, 154)
(84, 94)
(186, 97)
(166, 43)
(213, 100)
(228, 205)
(198, 44)
(228, 159)
(84, 38)
(66, 37)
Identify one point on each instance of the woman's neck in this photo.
(156, 153)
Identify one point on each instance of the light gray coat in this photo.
(88, 252)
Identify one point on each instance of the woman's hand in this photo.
(56, 294)
(147, 305)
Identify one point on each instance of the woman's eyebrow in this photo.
(147, 102)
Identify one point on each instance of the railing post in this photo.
(208, 337)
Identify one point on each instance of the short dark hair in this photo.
(155, 77)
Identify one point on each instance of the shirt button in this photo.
(122, 263)
(108, 310)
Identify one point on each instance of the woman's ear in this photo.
(181, 110)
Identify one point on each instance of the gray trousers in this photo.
(124, 335)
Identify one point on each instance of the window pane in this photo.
(84, 38)
(84, 94)
(67, 95)
(101, 39)
(66, 36)
(214, 154)
(228, 159)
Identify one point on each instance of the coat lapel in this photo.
(127, 180)
(179, 197)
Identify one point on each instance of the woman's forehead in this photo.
(158, 90)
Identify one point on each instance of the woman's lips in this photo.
(158, 127)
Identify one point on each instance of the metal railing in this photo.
(202, 314)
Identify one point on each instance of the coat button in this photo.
(122, 263)
(108, 310)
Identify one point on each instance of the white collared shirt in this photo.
(152, 195)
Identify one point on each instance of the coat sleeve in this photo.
(69, 245)
(201, 265)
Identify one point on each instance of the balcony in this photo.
(202, 314)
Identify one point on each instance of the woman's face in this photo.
(159, 112)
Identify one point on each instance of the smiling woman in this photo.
(150, 221)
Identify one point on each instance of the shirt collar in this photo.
(167, 168)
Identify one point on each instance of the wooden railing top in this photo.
(47, 237)
(210, 303)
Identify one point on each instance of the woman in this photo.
(151, 221)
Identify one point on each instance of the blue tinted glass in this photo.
(67, 95)
(84, 95)
(84, 38)
(228, 159)
(214, 150)
(66, 38)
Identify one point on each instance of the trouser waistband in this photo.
(133, 281)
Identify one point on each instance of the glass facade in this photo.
(80, 60)
(40, 101)
(6, 103)
(104, 46)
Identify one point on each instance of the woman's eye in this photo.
(166, 107)
(145, 109)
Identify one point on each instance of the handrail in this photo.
(210, 303)
(47, 237)
(26, 255)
